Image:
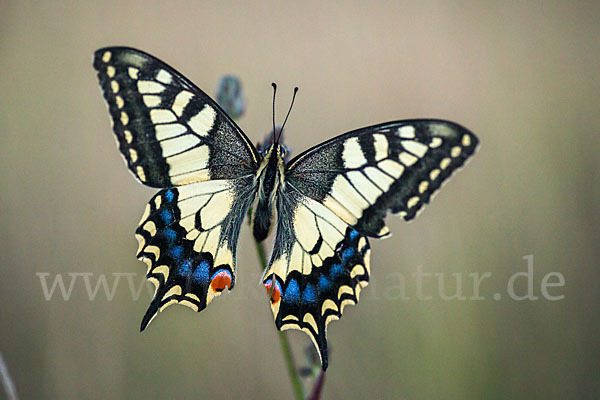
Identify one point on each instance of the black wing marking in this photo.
(395, 166)
(188, 238)
(169, 131)
(318, 266)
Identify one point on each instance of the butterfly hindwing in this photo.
(169, 131)
(397, 166)
(188, 237)
(318, 266)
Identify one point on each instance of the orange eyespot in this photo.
(220, 281)
(275, 294)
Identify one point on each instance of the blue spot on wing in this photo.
(346, 254)
(201, 272)
(292, 292)
(176, 252)
(170, 235)
(324, 283)
(353, 234)
(166, 216)
(169, 195)
(309, 295)
(185, 268)
(336, 270)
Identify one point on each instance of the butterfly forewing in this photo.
(168, 130)
(397, 166)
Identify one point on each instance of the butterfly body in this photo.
(324, 204)
(269, 181)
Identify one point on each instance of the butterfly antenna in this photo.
(288, 113)
(274, 92)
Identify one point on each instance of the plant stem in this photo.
(9, 385)
(283, 339)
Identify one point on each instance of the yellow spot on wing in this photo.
(413, 201)
(455, 151)
(163, 270)
(133, 155)
(290, 317)
(133, 72)
(174, 291)
(466, 140)
(435, 142)
(357, 270)
(140, 173)
(445, 163)
(309, 319)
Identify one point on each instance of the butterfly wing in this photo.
(318, 266)
(173, 136)
(169, 131)
(396, 166)
(336, 195)
(188, 237)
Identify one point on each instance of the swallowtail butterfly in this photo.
(325, 203)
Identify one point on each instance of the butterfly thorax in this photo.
(269, 180)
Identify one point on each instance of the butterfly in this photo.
(324, 204)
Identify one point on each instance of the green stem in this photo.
(283, 340)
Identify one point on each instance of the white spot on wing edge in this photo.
(181, 100)
(203, 122)
(106, 56)
(381, 146)
(149, 87)
(407, 131)
(164, 77)
(352, 154)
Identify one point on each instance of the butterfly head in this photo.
(275, 150)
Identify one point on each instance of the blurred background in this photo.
(524, 76)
